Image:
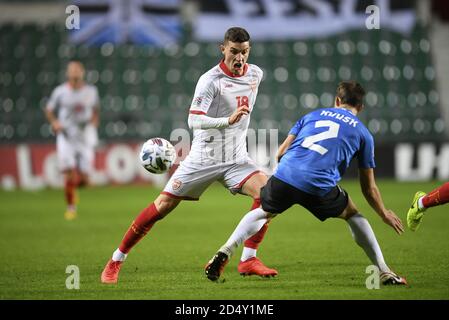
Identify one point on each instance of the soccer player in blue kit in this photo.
(312, 160)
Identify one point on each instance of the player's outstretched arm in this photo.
(372, 195)
(284, 146)
(95, 120)
(201, 121)
(55, 125)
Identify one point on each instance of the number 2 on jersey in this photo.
(332, 132)
(242, 101)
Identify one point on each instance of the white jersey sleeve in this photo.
(97, 98)
(259, 73)
(218, 94)
(54, 99)
(201, 121)
(205, 92)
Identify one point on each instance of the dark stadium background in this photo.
(145, 57)
(146, 84)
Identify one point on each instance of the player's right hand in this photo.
(56, 126)
(393, 221)
(238, 114)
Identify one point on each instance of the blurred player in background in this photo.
(72, 111)
(219, 115)
(313, 158)
(422, 201)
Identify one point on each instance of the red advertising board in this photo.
(34, 166)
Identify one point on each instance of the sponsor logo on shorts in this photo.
(176, 184)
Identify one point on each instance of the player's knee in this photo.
(165, 205)
(70, 176)
(349, 211)
(254, 184)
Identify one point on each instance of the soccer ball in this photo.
(157, 155)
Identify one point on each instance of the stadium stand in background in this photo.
(145, 91)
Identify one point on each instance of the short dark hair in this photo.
(351, 93)
(77, 62)
(236, 34)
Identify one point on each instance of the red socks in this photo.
(148, 217)
(73, 180)
(139, 228)
(256, 239)
(256, 204)
(69, 191)
(436, 197)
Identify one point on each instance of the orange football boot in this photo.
(253, 266)
(111, 271)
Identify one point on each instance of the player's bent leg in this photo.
(252, 188)
(66, 155)
(249, 263)
(157, 210)
(165, 204)
(364, 236)
(349, 211)
(248, 226)
(85, 165)
(70, 194)
(81, 180)
(437, 197)
(422, 201)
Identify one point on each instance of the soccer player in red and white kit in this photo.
(219, 116)
(72, 111)
(422, 201)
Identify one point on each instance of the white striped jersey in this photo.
(74, 107)
(218, 94)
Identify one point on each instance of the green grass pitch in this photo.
(315, 260)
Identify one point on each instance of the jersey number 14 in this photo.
(331, 132)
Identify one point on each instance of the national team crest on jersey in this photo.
(78, 108)
(176, 184)
(197, 101)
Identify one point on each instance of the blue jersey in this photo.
(326, 141)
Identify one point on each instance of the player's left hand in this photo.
(56, 126)
(237, 115)
(95, 123)
(393, 221)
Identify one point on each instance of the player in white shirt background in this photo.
(72, 111)
(219, 116)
